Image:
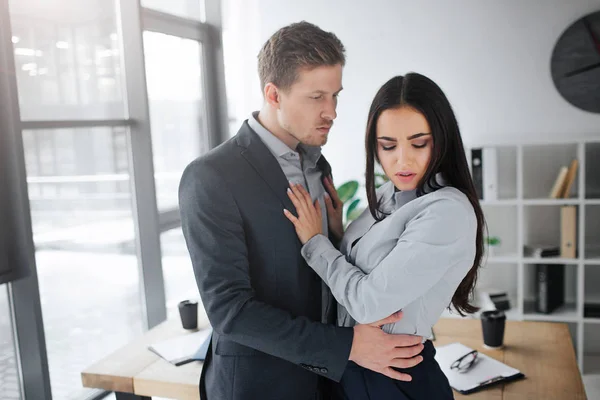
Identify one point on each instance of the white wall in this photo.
(492, 58)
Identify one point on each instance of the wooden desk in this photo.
(542, 351)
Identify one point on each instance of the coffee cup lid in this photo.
(493, 314)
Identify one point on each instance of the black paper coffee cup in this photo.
(188, 311)
(492, 324)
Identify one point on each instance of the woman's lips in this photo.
(405, 177)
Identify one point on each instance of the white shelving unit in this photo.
(523, 214)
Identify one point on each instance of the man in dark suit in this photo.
(273, 319)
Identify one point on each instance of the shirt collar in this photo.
(278, 148)
(392, 199)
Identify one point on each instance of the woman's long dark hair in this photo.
(448, 157)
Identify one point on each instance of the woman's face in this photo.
(404, 144)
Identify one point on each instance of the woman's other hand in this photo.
(335, 209)
(308, 223)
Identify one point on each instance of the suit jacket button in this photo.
(323, 370)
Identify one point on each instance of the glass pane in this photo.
(67, 59)
(191, 9)
(180, 282)
(177, 116)
(81, 206)
(9, 377)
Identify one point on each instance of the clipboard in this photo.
(485, 372)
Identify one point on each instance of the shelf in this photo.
(565, 313)
(539, 202)
(541, 166)
(591, 320)
(550, 202)
(501, 202)
(592, 261)
(591, 364)
(506, 259)
(550, 260)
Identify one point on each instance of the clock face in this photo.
(575, 63)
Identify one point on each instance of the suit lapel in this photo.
(265, 164)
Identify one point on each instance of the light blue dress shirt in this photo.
(413, 260)
(299, 167)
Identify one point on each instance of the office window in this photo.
(191, 9)
(9, 377)
(177, 109)
(81, 208)
(180, 282)
(68, 59)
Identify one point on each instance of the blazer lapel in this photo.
(263, 161)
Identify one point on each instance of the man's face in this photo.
(307, 108)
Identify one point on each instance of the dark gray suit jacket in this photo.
(263, 301)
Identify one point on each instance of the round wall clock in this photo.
(575, 63)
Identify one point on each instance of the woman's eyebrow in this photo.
(417, 135)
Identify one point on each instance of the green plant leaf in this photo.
(492, 240)
(351, 207)
(347, 191)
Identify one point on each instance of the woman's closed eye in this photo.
(416, 146)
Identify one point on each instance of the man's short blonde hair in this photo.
(295, 47)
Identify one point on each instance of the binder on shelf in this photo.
(477, 171)
(484, 169)
(568, 231)
(550, 287)
(572, 172)
(490, 173)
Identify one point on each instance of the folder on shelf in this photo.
(484, 170)
(568, 231)
(550, 287)
(477, 171)
(485, 372)
(490, 173)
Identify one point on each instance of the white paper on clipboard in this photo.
(484, 369)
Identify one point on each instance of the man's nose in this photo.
(329, 112)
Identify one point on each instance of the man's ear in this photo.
(271, 93)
